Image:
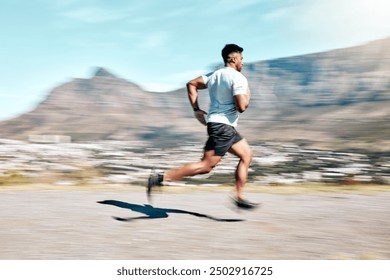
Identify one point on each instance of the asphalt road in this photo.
(120, 224)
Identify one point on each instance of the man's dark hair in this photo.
(230, 48)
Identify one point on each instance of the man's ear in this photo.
(232, 59)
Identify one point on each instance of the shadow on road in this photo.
(151, 212)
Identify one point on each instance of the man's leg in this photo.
(242, 150)
(208, 162)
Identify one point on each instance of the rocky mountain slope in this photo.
(339, 97)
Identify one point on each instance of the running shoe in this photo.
(245, 204)
(155, 180)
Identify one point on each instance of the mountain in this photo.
(338, 77)
(340, 97)
(337, 97)
(103, 107)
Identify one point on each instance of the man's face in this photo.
(239, 63)
(236, 59)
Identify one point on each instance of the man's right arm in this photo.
(192, 90)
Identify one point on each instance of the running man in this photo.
(229, 95)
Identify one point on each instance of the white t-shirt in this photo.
(223, 85)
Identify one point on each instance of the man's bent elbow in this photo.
(197, 83)
(242, 108)
(242, 102)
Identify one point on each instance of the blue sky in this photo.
(162, 44)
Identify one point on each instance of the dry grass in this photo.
(90, 179)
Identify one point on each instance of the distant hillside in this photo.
(340, 96)
(338, 77)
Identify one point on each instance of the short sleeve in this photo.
(206, 78)
(240, 85)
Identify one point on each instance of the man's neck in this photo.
(231, 65)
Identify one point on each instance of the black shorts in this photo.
(221, 138)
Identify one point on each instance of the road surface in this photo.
(120, 224)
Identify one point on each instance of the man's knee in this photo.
(247, 155)
(249, 158)
(250, 154)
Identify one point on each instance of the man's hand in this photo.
(200, 115)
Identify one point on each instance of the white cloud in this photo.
(87, 43)
(345, 18)
(275, 15)
(174, 81)
(230, 5)
(6, 95)
(58, 4)
(127, 34)
(161, 87)
(94, 14)
(157, 41)
(188, 75)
